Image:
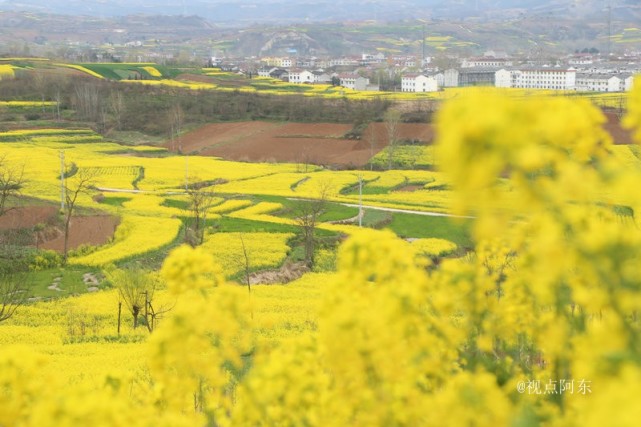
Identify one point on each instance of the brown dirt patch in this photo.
(320, 130)
(219, 134)
(410, 188)
(85, 230)
(614, 128)
(287, 273)
(199, 78)
(318, 143)
(301, 150)
(26, 217)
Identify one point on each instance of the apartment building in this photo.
(486, 62)
(599, 83)
(537, 78)
(463, 77)
(419, 83)
(297, 75)
(353, 81)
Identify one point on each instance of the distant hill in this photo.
(534, 28)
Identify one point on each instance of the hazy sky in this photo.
(301, 10)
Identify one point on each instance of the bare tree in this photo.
(57, 96)
(41, 82)
(13, 293)
(80, 183)
(176, 120)
(87, 101)
(371, 138)
(200, 200)
(307, 216)
(117, 107)
(136, 291)
(11, 182)
(246, 269)
(392, 120)
(246, 264)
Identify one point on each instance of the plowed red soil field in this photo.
(318, 143)
(25, 217)
(619, 134)
(84, 230)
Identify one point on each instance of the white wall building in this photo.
(440, 79)
(628, 82)
(353, 81)
(598, 83)
(537, 78)
(487, 62)
(286, 63)
(503, 78)
(264, 71)
(450, 77)
(343, 62)
(581, 60)
(418, 83)
(367, 58)
(321, 77)
(296, 75)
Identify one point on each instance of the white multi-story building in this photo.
(264, 71)
(372, 59)
(475, 76)
(270, 61)
(598, 83)
(503, 78)
(440, 79)
(353, 81)
(537, 78)
(297, 75)
(627, 82)
(343, 62)
(306, 62)
(321, 76)
(273, 72)
(286, 63)
(418, 83)
(487, 62)
(581, 59)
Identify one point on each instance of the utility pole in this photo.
(360, 200)
(186, 173)
(62, 180)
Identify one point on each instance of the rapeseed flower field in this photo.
(537, 325)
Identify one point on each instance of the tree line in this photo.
(109, 106)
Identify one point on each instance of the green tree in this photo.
(392, 120)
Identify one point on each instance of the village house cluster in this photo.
(576, 72)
